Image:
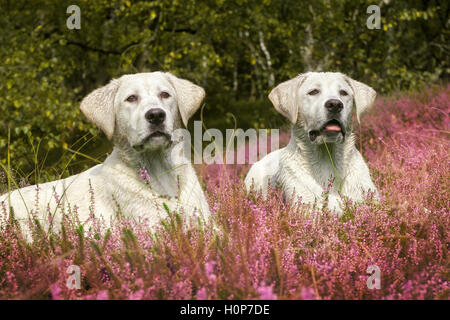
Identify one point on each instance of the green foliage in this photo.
(238, 50)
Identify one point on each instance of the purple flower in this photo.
(201, 294)
(102, 295)
(137, 295)
(308, 294)
(55, 291)
(266, 293)
(143, 173)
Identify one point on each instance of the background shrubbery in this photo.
(238, 50)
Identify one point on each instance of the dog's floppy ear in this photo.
(98, 107)
(189, 96)
(283, 97)
(364, 96)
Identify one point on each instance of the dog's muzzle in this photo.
(157, 136)
(330, 128)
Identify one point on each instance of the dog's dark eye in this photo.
(343, 93)
(132, 98)
(164, 95)
(313, 92)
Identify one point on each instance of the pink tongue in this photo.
(332, 127)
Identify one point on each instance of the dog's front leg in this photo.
(335, 204)
(190, 194)
(358, 183)
(192, 197)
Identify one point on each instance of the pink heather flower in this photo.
(102, 295)
(308, 294)
(266, 293)
(12, 279)
(55, 195)
(201, 294)
(137, 295)
(143, 173)
(23, 182)
(55, 292)
(209, 269)
(182, 290)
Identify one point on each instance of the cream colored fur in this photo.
(116, 184)
(304, 168)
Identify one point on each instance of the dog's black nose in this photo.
(155, 116)
(334, 105)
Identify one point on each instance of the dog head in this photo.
(322, 103)
(143, 109)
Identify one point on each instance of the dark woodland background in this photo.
(237, 50)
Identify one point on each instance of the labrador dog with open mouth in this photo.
(139, 113)
(321, 160)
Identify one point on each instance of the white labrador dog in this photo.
(322, 147)
(139, 113)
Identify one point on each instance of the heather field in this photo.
(264, 249)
